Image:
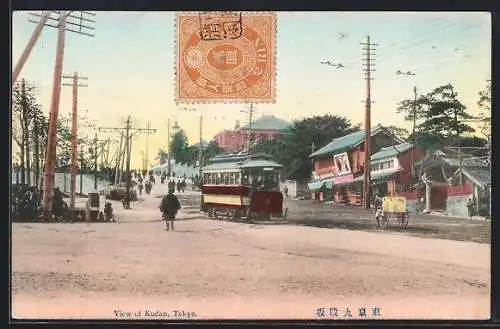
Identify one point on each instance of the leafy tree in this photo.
(23, 107)
(446, 113)
(210, 151)
(439, 117)
(179, 145)
(399, 132)
(484, 103)
(485, 98)
(293, 147)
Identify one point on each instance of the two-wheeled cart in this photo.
(393, 207)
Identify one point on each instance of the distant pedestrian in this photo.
(470, 208)
(140, 188)
(285, 191)
(169, 207)
(378, 205)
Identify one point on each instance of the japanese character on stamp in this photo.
(225, 57)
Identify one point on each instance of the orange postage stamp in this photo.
(225, 57)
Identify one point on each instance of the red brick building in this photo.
(266, 127)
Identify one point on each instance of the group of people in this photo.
(27, 203)
(148, 184)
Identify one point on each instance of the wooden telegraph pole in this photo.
(367, 69)
(74, 136)
(31, 43)
(127, 140)
(77, 26)
(146, 165)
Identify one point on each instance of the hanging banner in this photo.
(342, 165)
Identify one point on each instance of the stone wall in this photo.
(456, 206)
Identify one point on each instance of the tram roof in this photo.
(241, 163)
(239, 157)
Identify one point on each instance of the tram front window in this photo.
(265, 180)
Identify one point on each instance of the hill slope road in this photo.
(215, 269)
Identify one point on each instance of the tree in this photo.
(485, 98)
(293, 147)
(210, 151)
(439, 116)
(398, 132)
(23, 108)
(484, 103)
(179, 145)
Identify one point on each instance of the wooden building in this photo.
(339, 166)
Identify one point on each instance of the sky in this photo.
(129, 64)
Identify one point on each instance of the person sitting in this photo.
(108, 212)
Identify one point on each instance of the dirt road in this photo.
(215, 269)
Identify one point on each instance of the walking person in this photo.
(377, 205)
(169, 207)
(140, 188)
(470, 208)
(285, 191)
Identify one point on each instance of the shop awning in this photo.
(379, 176)
(327, 183)
(316, 185)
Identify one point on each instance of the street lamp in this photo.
(175, 127)
(201, 137)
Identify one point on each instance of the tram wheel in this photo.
(237, 214)
(231, 214)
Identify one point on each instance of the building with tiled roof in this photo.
(339, 166)
(265, 127)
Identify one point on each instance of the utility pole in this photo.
(118, 159)
(367, 69)
(146, 166)
(98, 151)
(127, 140)
(74, 136)
(63, 21)
(95, 161)
(81, 170)
(29, 47)
(413, 130)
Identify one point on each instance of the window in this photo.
(387, 164)
(237, 178)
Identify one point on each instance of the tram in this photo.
(242, 186)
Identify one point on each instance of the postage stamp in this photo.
(224, 57)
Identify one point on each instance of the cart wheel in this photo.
(236, 214)
(385, 221)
